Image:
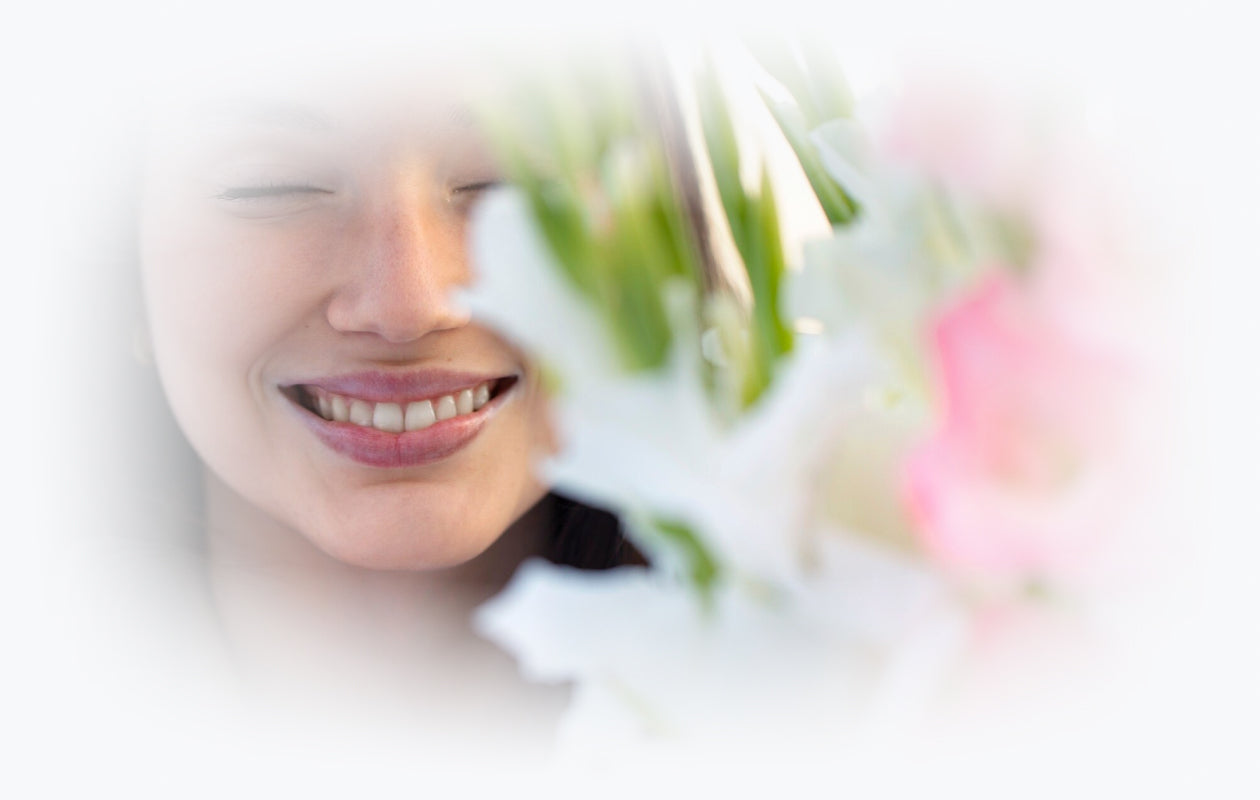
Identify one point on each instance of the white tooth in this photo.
(388, 417)
(340, 409)
(445, 408)
(481, 396)
(360, 412)
(464, 402)
(419, 415)
(322, 403)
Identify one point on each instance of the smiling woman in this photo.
(367, 451)
(298, 261)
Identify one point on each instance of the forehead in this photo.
(431, 93)
(423, 106)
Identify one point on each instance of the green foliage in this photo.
(815, 83)
(590, 154)
(702, 569)
(754, 225)
(579, 145)
(840, 208)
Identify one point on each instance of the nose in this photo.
(404, 257)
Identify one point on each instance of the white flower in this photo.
(651, 444)
(520, 291)
(802, 608)
(860, 644)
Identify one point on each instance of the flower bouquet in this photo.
(858, 382)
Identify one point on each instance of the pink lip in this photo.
(374, 448)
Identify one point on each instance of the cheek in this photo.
(221, 294)
(214, 286)
(221, 302)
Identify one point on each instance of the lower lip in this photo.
(374, 448)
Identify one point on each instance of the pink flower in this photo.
(1015, 482)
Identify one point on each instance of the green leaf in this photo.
(702, 569)
(840, 208)
(593, 166)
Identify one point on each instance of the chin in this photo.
(405, 540)
(405, 548)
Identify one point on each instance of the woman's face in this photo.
(298, 251)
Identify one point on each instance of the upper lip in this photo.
(383, 387)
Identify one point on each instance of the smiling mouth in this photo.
(401, 416)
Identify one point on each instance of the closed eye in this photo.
(267, 190)
(473, 188)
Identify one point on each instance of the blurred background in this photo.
(103, 684)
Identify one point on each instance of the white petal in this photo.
(521, 291)
(559, 622)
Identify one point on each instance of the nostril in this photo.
(396, 311)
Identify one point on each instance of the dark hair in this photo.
(588, 538)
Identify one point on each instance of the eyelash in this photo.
(472, 188)
(267, 190)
